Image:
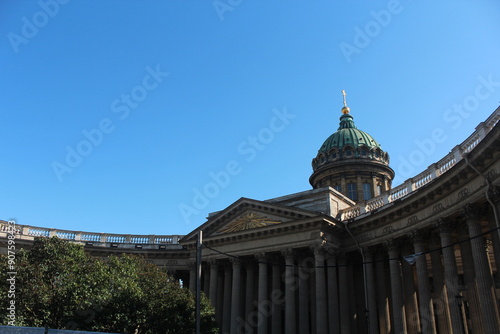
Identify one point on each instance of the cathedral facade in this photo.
(351, 255)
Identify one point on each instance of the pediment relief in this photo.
(249, 220)
(247, 214)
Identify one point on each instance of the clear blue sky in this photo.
(158, 97)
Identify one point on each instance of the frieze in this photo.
(412, 220)
(388, 229)
(437, 208)
(491, 174)
(463, 193)
(363, 237)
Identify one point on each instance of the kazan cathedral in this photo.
(351, 255)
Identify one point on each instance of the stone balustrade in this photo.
(26, 232)
(430, 174)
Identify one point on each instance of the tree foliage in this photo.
(59, 285)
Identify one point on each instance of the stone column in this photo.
(212, 291)
(450, 275)
(485, 288)
(359, 187)
(312, 292)
(374, 185)
(220, 298)
(470, 280)
(494, 195)
(249, 298)
(226, 307)
(262, 294)
(353, 301)
(495, 240)
(384, 318)
(424, 290)
(321, 306)
(290, 287)
(371, 292)
(440, 301)
(410, 296)
(192, 277)
(205, 278)
(303, 273)
(235, 295)
(333, 294)
(345, 320)
(398, 309)
(276, 317)
(343, 184)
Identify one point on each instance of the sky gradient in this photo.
(141, 117)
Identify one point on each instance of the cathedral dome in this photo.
(348, 135)
(348, 143)
(352, 162)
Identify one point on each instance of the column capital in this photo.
(213, 264)
(288, 253)
(418, 236)
(261, 257)
(392, 244)
(318, 249)
(470, 211)
(235, 262)
(494, 194)
(443, 225)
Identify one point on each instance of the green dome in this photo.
(348, 135)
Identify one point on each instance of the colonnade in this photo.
(446, 285)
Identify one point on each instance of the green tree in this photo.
(59, 285)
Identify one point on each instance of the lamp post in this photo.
(198, 281)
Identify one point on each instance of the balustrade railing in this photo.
(30, 232)
(430, 174)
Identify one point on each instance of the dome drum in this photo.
(375, 173)
(349, 152)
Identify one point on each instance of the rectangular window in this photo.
(367, 191)
(352, 192)
(338, 187)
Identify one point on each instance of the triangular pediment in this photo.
(250, 219)
(248, 214)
